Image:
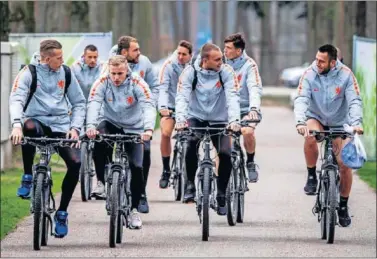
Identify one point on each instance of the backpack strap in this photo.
(221, 81)
(68, 78)
(195, 81)
(33, 86)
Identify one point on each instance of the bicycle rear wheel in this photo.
(121, 218)
(232, 197)
(114, 208)
(38, 212)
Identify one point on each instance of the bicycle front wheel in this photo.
(38, 211)
(205, 211)
(114, 208)
(331, 207)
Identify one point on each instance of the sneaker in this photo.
(164, 181)
(135, 220)
(311, 185)
(61, 224)
(143, 204)
(26, 183)
(190, 193)
(252, 171)
(99, 191)
(221, 205)
(344, 217)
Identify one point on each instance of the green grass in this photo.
(368, 174)
(13, 209)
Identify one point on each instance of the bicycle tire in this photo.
(323, 201)
(177, 181)
(331, 208)
(241, 196)
(120, 218)
(38, 212)
(232, 197)
(84, 173)
(114, 208)
(46, 219)
(205, 211)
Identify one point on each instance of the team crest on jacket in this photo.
(130, 99)
(142, 73)
(218, 84)
(239, 78)
(61, 84)
(338, 90)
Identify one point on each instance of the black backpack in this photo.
(33, 86)
(195, 81)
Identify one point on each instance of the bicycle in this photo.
(328, 195)
(178, 168)
(238, 181)
(118, 185)
(87, 171)
(205, 184)
(42, 203)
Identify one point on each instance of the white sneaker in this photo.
(99, 190)
(135, 220)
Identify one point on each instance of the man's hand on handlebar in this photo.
(92, 133)
(303, 130)
(147, 135)
(16, 135)
(234, 126)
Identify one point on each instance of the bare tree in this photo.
(186, 18)
(156, 46)
(22, 16)
(361, 18)
(4, 21)
(176, 28)
(79, 16)
(122, 19)
(214, 21)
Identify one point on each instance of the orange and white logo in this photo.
(130, 99)
(142, 73)
(61, 84)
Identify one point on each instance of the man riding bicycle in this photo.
(169, 74)
(213, 102)
(45, 112)
(250, 94)
(328, 97)
(140, 64)
(127, 107)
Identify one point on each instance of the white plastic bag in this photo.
(353, 153)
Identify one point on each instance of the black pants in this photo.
(222, 144)
(71, 157)
(146, 164)
(103, 155)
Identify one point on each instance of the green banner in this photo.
(364, 67)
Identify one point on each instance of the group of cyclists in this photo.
(124, 94)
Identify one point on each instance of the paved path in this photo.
(278, 219)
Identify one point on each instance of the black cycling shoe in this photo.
(253, 172)
(311, 185)
(164, 180)
(221, 205)
(344, 217)
(190, 193)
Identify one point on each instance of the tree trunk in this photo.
(224, 22)
(361, 17)
(267, 63)
(29, 17)
(156, 40)
(80, 16)
(186, 18)
(122, 12)
(214, 21)
(176, 28)
(142, 24)
(371, 19)
(4, 21)
(98, 18)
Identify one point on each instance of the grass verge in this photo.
(368, 174)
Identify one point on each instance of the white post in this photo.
(6, 84)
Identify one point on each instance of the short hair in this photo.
(207, 48)
(330, 50)
(237, 39)
(117, 60)
(124, 42)
(47, 47)
(186, 44)
(91, 48)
